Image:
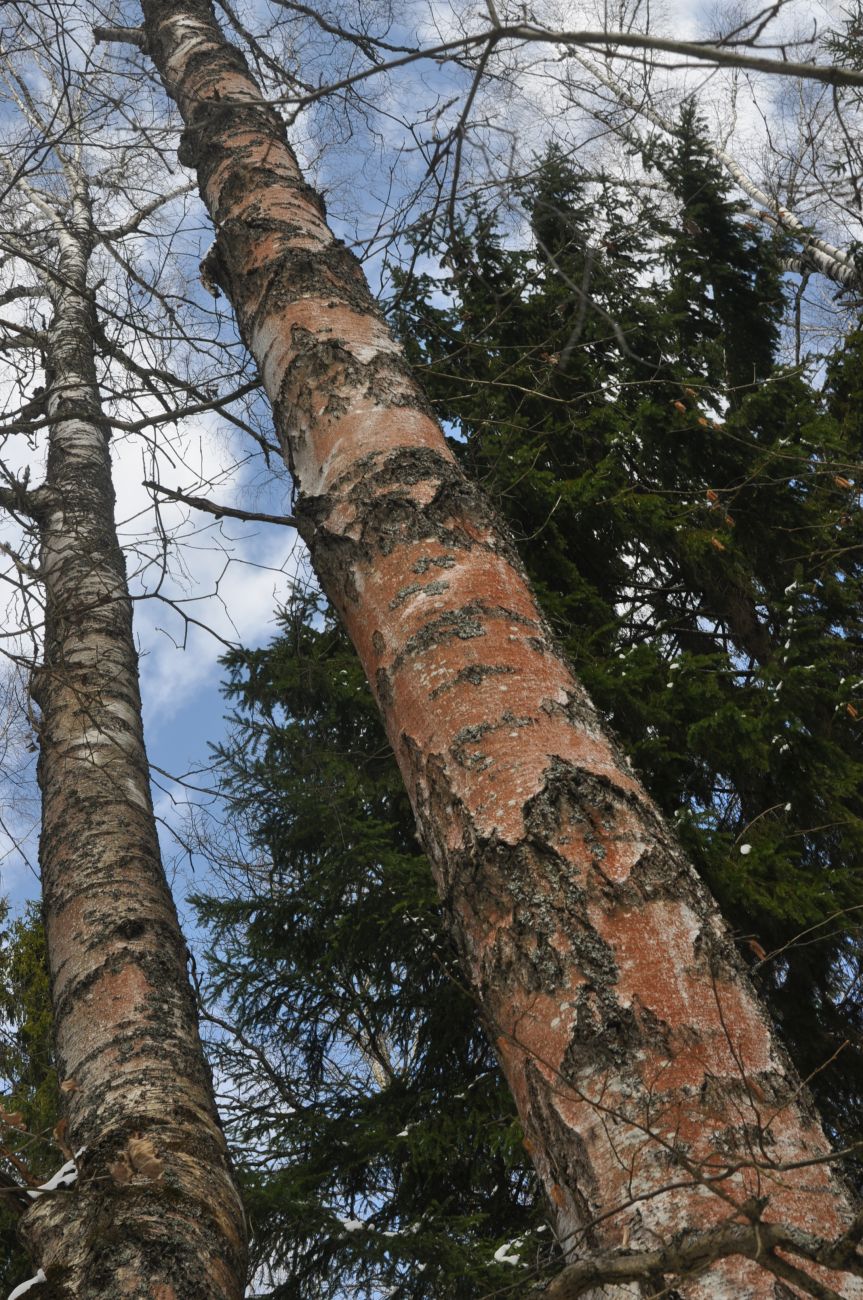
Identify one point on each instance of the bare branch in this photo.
(220, 511)
(836, 263)
(121, 35)
(528, 33)
(146, 210)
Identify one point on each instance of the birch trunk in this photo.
(654, 1097)
(154, 1212)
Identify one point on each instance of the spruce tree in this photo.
(684, 505)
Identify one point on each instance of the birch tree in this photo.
(144, 1204)
(667, 1125)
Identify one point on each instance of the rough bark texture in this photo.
(642, 1064)
(124, 1014)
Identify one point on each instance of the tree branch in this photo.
(134, 222)
(18, 499)
(697, 1251)
(21, 291)
(121, 35)
(528, 33)
(26, 570)
(220, 511)
(836, 263)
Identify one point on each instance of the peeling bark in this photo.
(154, 1211)
(653, 1094)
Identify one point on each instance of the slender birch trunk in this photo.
(837, 264)
(654, 1097)
(154, 1212)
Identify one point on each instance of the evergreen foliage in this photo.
(685, 505)
(29, 1100)
(724, 292)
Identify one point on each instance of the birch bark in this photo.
(654, 1096)
(154, 1212)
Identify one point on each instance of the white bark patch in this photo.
(189, 35)
(367, 338)
(121, 709)
(275, 351)
(98, 742)
(94, 741)
(135, 795)
(366, 352)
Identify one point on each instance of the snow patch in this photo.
(502, 1254)
(24, 1287)
(65, 1176)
